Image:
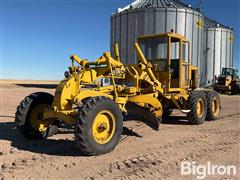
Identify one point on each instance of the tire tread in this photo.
(84, 112)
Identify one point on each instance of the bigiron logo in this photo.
(202, 171)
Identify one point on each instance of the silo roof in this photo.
(210, 23)
(156, 4)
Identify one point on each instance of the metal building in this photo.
(218, 48)
(144, 17)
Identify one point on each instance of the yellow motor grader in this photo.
(93, 95)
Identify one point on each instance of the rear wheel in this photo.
(29, 116)
(99, 126)
(166, 115)
(213, 105)
(197, 104)
(235, 89)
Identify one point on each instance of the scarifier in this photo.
(93, 95)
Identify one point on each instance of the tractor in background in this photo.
(228, 81)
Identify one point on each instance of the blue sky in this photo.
(37, 36)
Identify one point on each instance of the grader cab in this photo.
(93, 95)
(169, 55)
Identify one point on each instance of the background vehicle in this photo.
(94, 105)
(228, 81)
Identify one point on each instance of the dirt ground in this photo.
(141, 154)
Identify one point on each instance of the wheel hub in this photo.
(103, 127)
(36, 118)
(215, 106)
(200, 108)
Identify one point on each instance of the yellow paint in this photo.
(116, 52)
(103, 127)
(36, 118)
(215, 106)
(199, 24)
(150, 99)
(231, 38)
(139, 83)
(200, 108)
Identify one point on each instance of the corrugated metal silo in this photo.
(144, 17)
(218, 48)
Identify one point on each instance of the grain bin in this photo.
(144, 17)
(218, 48)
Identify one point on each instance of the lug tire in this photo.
(83, 130)
(24, 110)
(166, 115)
(235, 89)
(211, 97)
(193, 117)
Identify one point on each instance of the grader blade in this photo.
(143, 114)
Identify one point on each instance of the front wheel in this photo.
(99, 126)
(29, 116)
(235, 89)
(198, 106)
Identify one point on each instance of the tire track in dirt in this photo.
(166, 163)
(155, 156)
(18, 163)
(1, 176)
(153, 164)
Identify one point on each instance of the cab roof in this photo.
(229, 68)
(169, 34)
